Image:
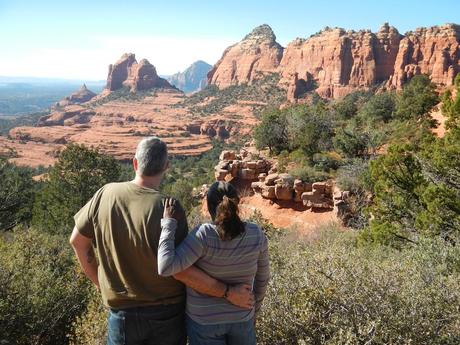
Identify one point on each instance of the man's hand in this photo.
(241, 295)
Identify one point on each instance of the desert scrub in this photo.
(91, 327)
(41, 289)
(330, 291)
(265, 89)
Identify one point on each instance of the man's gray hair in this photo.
(151, 155)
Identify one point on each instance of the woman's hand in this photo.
(171, 209)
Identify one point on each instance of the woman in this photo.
(229, 250)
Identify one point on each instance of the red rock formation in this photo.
(256, 54)
(336, 62)
(126, 72)
(434, 51)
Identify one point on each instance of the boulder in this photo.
(284, 192)
(337, 195)
(227, 156)
(285, 180)
(319, 186)
(268, 192)
(248, 174)
(251, 165)
(270, 179)
(257, 186)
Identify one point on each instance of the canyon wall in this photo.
(335, 62)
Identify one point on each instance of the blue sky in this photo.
(78, 39)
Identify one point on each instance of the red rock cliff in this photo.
(434, 51)
(247, 60)
(336, 62)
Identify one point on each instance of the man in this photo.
(122, 220)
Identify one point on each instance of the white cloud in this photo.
(168, 54)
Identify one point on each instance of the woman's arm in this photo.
(262, 275)
(172, 260)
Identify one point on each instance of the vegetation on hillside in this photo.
(381, 148)
(265, 89)
(8, 123)
(395, 281)
(123, 94)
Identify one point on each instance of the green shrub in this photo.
(91, 327)
(17, 192)
(308, 174)
(328, 291)
(71, 182)
(417, 99)
(41, 290)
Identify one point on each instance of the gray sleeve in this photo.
(262, 275)
(173, 260)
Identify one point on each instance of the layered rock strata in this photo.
(335, 62)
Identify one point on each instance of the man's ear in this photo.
(135, 165)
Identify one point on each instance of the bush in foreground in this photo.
(329, 291)
(41, 291)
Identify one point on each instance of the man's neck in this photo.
(151, 182)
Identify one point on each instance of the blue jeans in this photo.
(163, 324)
(240, 333)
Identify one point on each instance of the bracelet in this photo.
(227, 289)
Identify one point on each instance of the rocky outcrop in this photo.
(68, 116)
(126, 72)
(193, 78)
(284, 187)
(256, 54)
(243, 165)
(81, 96)
(266, 181)
(434, 51)
(335, 62)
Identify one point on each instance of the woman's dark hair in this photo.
(223, 202)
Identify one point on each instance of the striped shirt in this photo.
(241, 260)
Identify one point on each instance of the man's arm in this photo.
(83, 249)
(240, 295)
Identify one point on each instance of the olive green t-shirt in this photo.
(124, 221)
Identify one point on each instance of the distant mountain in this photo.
(193, 78)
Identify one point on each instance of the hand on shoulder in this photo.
(172, 209)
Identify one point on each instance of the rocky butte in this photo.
(81, 96)
(335, 62)
(135, 103)
(126, 72)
